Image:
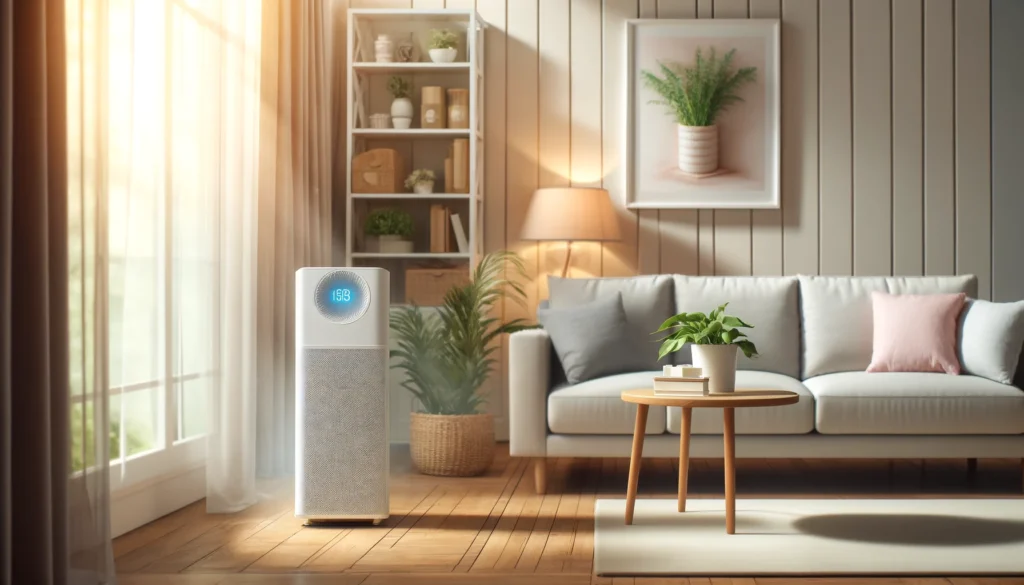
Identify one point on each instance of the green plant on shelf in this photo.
(389, 222)
(399, 87)
(443, 39)
(697, 95)
(419, 176)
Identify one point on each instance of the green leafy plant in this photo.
(399, 87)
(447, 356)
(419, 176)
(716, 328)
(697, 95)
(443, 39)
(389, 222)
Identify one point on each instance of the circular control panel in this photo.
(342, 296)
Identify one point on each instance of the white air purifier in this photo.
(341, 394)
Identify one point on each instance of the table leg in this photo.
(634, 459)
(684, 456)
(729, 438)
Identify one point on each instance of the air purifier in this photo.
(341, 394)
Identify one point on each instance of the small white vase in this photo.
(383, 49)
(443, 55)
(401, 123)
(423, 188)
(402, 108)
(698, 149)
(718, 364)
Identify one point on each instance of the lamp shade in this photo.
(571, 213)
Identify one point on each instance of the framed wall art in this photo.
(703, 114)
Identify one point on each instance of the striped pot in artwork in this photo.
(698, 149)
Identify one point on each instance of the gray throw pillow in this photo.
(646, 300)
(991, 336)
(588, 338)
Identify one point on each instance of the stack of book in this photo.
(673, 386)
(446, 228)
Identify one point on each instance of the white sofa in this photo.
(814, 336)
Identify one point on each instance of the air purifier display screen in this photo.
(342, 296)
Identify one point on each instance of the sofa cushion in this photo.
(991, 339)
(647, 301)
(770, 304)
(904, 403)
(792, 419)
(915, 333)
(594, 407)
(587, 338)
(836, 316)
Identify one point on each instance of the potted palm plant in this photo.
(715, 338)
(446, 358)
(696, 96)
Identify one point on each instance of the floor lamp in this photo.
(570, 214)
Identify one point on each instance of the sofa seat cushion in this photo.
(904, 403)
(792, 419)
(594, 406)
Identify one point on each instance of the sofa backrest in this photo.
(770, 304)
(837, 318)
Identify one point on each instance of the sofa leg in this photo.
(540, 475)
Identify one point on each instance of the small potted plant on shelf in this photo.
(696, 96)
(389, 231)
(447, 357)
(442, 45)
(421, 181)
(715, 339)
(401, 107)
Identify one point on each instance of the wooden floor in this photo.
(495, 530)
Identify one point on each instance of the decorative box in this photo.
(380, 170)
(426, 286)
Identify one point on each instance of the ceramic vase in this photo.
(443, 55)
(423, 188)
(698, 149)
(401, 112)
(383, 49)
(718, 364)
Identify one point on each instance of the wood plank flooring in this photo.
(496, 530)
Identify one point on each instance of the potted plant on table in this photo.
(715, 338)
(389, 231)
(442, 45)
(401, 107)
(446, 358)
(696, 96)
(421, 181)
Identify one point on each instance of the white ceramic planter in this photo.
(423, 188)
(390, 245)
(402, 108)
(718, 364)
(443, 55)
(698, 149)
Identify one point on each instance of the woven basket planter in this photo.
(452, 445)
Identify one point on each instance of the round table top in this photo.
(740, 398)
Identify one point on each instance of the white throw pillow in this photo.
(991, 336)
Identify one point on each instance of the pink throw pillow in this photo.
(915, 333)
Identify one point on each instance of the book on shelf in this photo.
(681, 386)
(460, 234)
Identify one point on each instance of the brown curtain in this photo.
(294, 225)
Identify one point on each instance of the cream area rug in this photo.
(812, 537)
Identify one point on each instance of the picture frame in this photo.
(667, 163)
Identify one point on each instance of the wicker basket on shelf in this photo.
(460, 445)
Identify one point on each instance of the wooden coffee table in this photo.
(728, 403)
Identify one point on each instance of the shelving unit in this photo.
(420, 147)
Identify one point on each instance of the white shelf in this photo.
(411, 132)
(425, 255)
(422, 67)
(412, 196)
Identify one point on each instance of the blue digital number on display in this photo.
(341, 295)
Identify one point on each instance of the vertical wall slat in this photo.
(705, 217)
(427, 4)
(836, 135)
(973, 144)
(766, 224)
(586, 129)
(553, 120)
(617, 258)
(800, 136)
(732, 226)
(1007, 146)
(677, 228)
(648, 230)
(907, 139)
(939, 159)
(872, 139)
